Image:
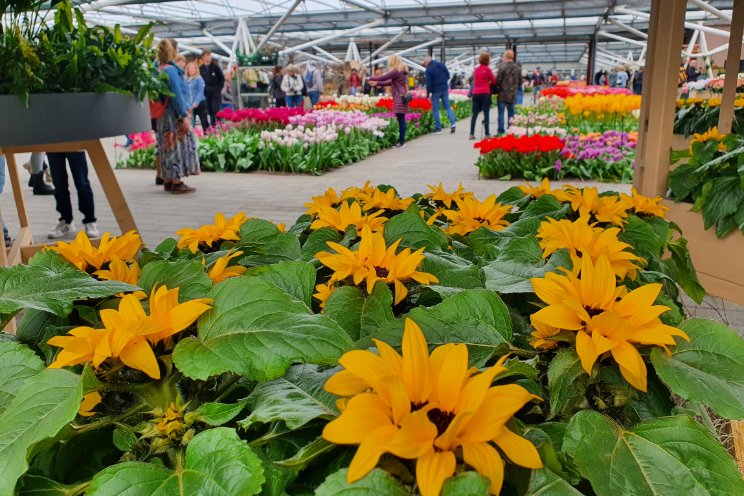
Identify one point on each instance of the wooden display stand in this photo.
(720, 262)
(23, 247)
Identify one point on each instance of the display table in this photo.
(66, 123)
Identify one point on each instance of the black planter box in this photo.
(65, 117)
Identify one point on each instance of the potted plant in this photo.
(68, 81)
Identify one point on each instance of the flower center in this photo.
(593, 311)
(381, 272)
(440, 419)
(480, 219)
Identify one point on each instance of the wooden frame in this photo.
(23, 247)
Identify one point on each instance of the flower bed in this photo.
(438, 344)
(567, 91)
(697, 115)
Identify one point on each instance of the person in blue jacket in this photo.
(176, 146)
(197, 99)
(437, 87)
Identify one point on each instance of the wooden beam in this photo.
(666, 30)
(110, 186)
(726, 117)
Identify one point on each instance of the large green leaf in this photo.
(414, 232)
(17, 364)
(376, 483)
(217, 463)
(53, 290)
(488, 243)
(258, 330)
(708, 369)
(641, 235)
(453, 271)
(296, 399)
(543, 482)
(722, 199)
(566, 389)
(519, 261)
(188, 275)
(296, 278)
(361, 314)
(666, 456)
(476, 317)
(266, 244)
(317, 242)
(466, 484)
(41, 407)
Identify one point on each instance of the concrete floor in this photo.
(448, 158)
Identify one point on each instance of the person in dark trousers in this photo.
(198, 102)
(79, 169)
(275, 88)
(214, 82)
(692, 71)
(437, 77)
(396, 78)
(508, 80)
(483, 78)
(638, 81)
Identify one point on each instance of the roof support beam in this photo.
(366, 7)
(710, 9)
(333, 36)
(629, 29)
(217, 42)
(385, 45)
(413, 64)
(412, 49)
(278, 24)
(688, 25)
(327, 54)
(621, 38)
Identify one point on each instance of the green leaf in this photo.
(124, 439)
(31, 329)
(376, 483)
(414, 231)
(258, 330)
(466, 484)
(217, 463)
(307, 454)
(566, 389)
(188, 275)
(359, 314)
(645, 241)
(476, 317)
(708, 369)
(679, 267)
(295, 399)
(317, 242)
(724, 198)
(35, 485)
(545, 206)
(54, 290)
(543, 482)
(666, 456)
(19, 364)
(519, 261)
(40, 409)
(453, 271)
(274, 245)
(295, 278)
(216, 414)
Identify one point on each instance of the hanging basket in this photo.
(68, 117)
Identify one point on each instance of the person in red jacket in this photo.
(483, 78)
(355, 82)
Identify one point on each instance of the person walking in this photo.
(314, 84)
(79, 169)
(483, 78)
(355, 83)
(176, 146)
(214, 82)
(538, 81)
(292, 87)
(397, 79)
(638, 81)
(275, 88)
(507, 80)
(437, 78)
(197, 102)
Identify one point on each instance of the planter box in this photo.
(69, 117)
(719, 262)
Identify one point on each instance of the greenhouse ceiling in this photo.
(547, 32)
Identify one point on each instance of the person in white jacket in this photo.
(292, 86)
(314, 83)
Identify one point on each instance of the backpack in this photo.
(159, 104)
(309, 77)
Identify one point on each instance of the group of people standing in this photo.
(621, 77)
(505, 84)
(289, 87)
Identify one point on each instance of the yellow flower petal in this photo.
(432, 470)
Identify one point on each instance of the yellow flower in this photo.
(641, 204)
(438, 194)
(90, 401)
(605, 318)
(710, 134)
(425, 407)
(473, 214)
(348, 215)
(329, 199)
(220, 271)
(587, 201)
(119, 270)
(170, 423)
(542, 337)
(585, 240)
(88, 258)
(222, 230)
(356, 192)
(324, 291)
(127, 331)
(375, 261)
(536, 191)
(384, 200)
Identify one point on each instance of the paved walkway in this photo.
(448, 158)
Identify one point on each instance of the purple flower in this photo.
(558, 164)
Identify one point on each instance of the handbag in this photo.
(406, 98)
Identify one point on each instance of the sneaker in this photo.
(488, 136)
(91, 229)
(399, 145)
(452, 129)
(63, 230)
(439, 131)
(471, 137)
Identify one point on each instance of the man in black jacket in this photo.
(214, 81)
(507, 80)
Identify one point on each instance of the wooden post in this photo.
(659, 96)
(726, 117)
(110, 186)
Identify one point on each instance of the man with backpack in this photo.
(214, 82)
(313, 83)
